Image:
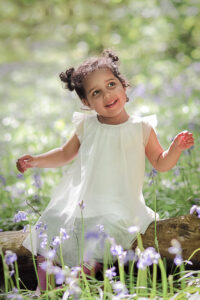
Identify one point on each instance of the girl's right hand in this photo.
(25, 162)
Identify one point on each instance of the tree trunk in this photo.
(186, 229)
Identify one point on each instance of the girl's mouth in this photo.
(112, 103)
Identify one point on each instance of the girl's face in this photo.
(106, 95)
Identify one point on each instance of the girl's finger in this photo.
(24, 157)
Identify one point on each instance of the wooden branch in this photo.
(186, 229)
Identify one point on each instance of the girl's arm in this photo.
(52, 159)
(165, 160)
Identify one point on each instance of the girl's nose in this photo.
(106, 95)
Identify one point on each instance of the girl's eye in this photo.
(111, 84)
(95, 93)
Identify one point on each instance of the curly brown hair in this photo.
(74, 78)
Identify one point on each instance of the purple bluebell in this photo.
(14, 295)
(10, 257)
(81, 204)
(176, 171)
(47, 266)
(11, 273)
(63, 234)
(56, 241)
(130, 256)
(148, 257)
(25, 228)
(73, 290)
(152, 175)
(100, 228)
(39, 225)
(44, 242)
(60, 275)
(50, 254)
(1, 229)
(37, 180)
(133, 229)
(176, 247)
(42, 235)
(116, 250)
(119, 288)
(92, 235)
(20, 216)
(74, 271)
(20, 176)
(196, 209)
(177, 250)
(3, 180)
(178, 260)
(110, 273)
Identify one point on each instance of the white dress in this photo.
(107, 175)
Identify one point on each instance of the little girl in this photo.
(104, 182)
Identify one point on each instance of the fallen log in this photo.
(185, 229)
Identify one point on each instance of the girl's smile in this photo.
(106, 95)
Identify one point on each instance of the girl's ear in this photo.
(85, 102)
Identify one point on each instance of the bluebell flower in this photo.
(116, 250)
(74, 271)
(37, 180)
(14, 295)
(1, 229)
(3, 180)
(176, 171)
(92, 235)
(100, 228)
(60, 275)
(73, 290)
(20, 176)
(133, 229)
(11, 273)
(196, 209)
(110, 273)
(177, 250)
(119, 288)
(148, 257)
(44, 243)
(56, 241)
(178, 260)
(10, 257)
(50, 254)
(81, 204)
(25, 228)
(130, 256)
(42, 235)
(20, 216)
(47, 266)
(152, 175)
(63, 234)
(38, 226)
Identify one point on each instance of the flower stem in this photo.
(153, 291)
(163, 278)
(17, 276)
(5, 271)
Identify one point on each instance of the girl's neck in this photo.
(121, 118)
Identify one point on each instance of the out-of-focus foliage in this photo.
(158, 44)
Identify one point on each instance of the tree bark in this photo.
(185, 229)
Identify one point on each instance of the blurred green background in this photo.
(158, 45)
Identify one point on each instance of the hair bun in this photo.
(110, 54)
(67, 78)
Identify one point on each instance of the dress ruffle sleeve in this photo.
(78, 120)
(148, 123)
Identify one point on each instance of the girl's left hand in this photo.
(184, 140)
